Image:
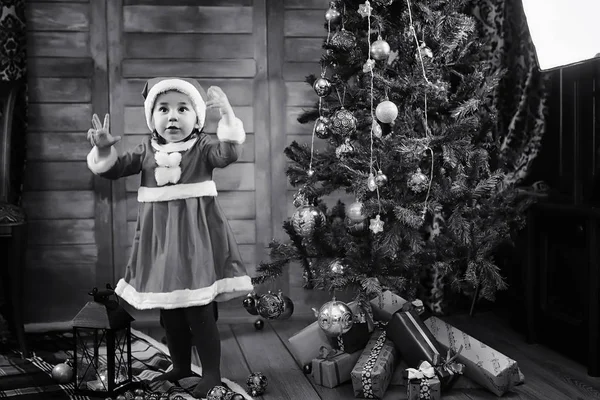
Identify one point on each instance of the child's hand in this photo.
(216, 98)
(99, 135)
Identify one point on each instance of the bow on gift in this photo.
(416, 305)
(449, 365)
(425, 371)
(327, 353)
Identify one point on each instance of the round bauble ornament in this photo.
(269, 306)
(139, 392)
(322, 128)
(332, 15)
(256, 383)
(380, 49)
(164, 396)
(288, 307)
(62, 373)
(355, 212)
(343, 40)
(418, 181)
(259, 324)
(249, 304)
(322, 87)
(217, 393)
(307, 369)
(356, 228)
(386, 112)
(335, 318)
(337, 267)
(233, 396)
(122, 397)
(343, 122)
(371, 183)
(306, 219)
(138, 398)
(380, 179)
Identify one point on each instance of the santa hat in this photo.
(190, 87)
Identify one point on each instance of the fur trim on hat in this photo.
(178, 85)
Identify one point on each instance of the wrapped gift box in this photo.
(307, 343)
(385, 305)
(424, 389)
(335, 370)
(357, 337)
(373, 371)
(484, 365)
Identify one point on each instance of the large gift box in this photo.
(386, 304)
(331, 370)
(306, 344)
(373, 371)
(357, 337)
(484, 365)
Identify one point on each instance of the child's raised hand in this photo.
(99, 135)
(216, 98)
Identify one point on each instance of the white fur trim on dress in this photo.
(103, 165)
(167, 159)
(164, 175)
(238, 286)
(176, 192)
(231, 132)
(173, 146)
(181, 86)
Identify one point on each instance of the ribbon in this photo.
(416, 305)
(327, 353)
(425, 371)
(449, 365)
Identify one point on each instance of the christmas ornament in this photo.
(322, 128)
(368, 66)
(377, 131)
(249, 303)
(259, 324)
(343, 122)
(365, 9)
(62, 373)
(300, 198)
(307, 369)
(418, 181)
(332, 15)
(177, 397)
(164, 396)
(269, 306)
(343, 40)
(121, 397)
(376, 224)
(380, 179)
(257, 383)
(336, 267)
(217, 393)
(355, 228)
(310, 173)
(344, 149)
(138, 398)
(425, 51)
(306, 219)
(386, 112)
(334, 317)
(288, 307)
(355, 212)
(139, 392)
(371, 183)
(322, 87)
(233, 396)
(380, 49)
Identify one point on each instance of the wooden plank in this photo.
(61, 231)
(304, 49)
(305, 23)
(57, 146)
(238, 91)
(300, 94)
(199, 19)
(59, 117)
(54, 67)
(298, 71)
(306, 4)
(135, 120)
(242, 68)
(60, 90)
(188, 46)
(62, 1)
(264, 352)
(292, 126)
(190, 2)
(59, 256)
(58, 44)
(56, 17)
(64, 204)
(68, 175)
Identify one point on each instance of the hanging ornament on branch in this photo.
(386, 112)
(376, 224)
(380, 179)
(332, 15)
(306, 219)
(344, 149)
(371, 182)
(334, 317)
(322, 86)
(418, 181)
(343, 122)
(344, 40)
(365, 9)
(380, 49)
(337, 267)
(322, 128)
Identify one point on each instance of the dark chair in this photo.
(13, 220)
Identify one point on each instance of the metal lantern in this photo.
(102, 353)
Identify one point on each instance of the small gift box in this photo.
(373, 371)
(357, 337)
(423, 384)
(333, 367)
(484, 365)
(386, 304)
(306, 343)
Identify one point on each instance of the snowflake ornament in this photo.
(365, 9)
(376, 224)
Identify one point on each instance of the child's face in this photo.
(174, 116)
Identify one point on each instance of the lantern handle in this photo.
(102, 296)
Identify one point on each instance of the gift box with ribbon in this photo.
(307, 343)
(357, 337)
(386, 304)
(373, 371)
(333, 367)
(422, 382)
(484, 365)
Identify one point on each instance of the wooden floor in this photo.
(548, 375)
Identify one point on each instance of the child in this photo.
(184, 254)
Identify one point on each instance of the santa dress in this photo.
(184, 252)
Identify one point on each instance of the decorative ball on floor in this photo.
(233, 396)
(62, 373)
(139, 392)
(249, 303)
(257, 383)
(139, 398)
(307, 369)
(121, 397)
(164, 396)
(259, 324)
(217, 393)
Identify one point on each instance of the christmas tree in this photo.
(405, 102)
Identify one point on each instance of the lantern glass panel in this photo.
(90, 359)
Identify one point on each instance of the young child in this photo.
(184, 254)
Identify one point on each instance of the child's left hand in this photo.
(216, 98)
